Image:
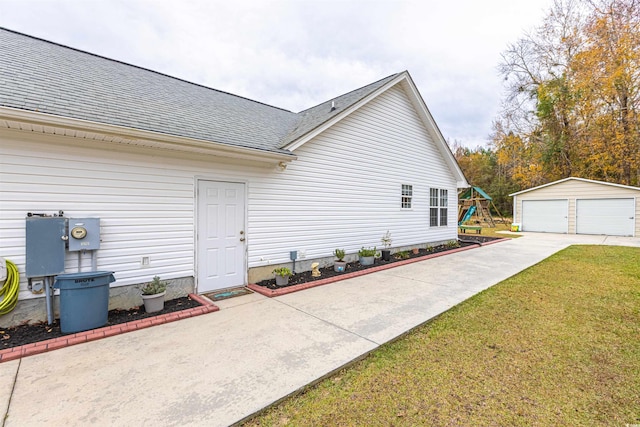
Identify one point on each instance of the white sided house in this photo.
(205, 189)
(579, 206)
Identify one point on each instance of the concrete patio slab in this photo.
(212, 371)
(8, 373)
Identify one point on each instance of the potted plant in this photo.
(386, 241)
(153, 295)
(367, 255)
(340, 265)
(282, 275)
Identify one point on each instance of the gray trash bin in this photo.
(84, 300)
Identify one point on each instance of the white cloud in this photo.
(295, 54)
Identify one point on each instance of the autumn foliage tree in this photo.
(573, 96)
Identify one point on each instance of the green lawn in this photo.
(558, 344)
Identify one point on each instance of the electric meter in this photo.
(84, 234)
(78, 232)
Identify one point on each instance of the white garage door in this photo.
(613, 217)
(549, 216)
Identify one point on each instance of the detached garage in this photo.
(579, 206)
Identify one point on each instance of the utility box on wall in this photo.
(45, 242)
(84, 234)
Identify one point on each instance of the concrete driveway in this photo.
(218, 369)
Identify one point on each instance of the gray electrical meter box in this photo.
(84, 234)
(45, 240)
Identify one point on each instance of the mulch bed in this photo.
(326, 272)
(27, 334)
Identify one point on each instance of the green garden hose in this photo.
(10, 289)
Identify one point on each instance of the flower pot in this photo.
(339, 266)
(153, 303)
(386, 254)
(282, 280)
(415, 251)
(367, 260)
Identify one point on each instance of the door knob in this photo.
(242, 239)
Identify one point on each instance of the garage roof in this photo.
(576, 179)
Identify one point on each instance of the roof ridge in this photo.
(308, 119)
(350, 92)
(140, 68)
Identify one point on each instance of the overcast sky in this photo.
(296, 54)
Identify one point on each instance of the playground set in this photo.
(473, 210)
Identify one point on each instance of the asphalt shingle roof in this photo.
(42, 76)
(310, 119)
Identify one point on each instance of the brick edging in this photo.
(295, 288)
(107, 331)
(491, 242)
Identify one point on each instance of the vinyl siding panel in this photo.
(146, 209)
(577, 189)
(344, 190)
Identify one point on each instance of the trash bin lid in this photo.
(83, 275)
(83, 279)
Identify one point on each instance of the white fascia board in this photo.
(575, 179)
(142, 138)
(612, 184)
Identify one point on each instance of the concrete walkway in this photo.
(219, 368)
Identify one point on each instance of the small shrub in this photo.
(282, 271)
(154, 287)
(452, 244)
(386, 239)
(366, 252)
(402, 254)
(339, 253)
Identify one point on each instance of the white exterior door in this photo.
(613, 217)
(549, 216)
(221, 235)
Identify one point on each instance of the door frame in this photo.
(196, 225)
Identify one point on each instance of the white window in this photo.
(444, 202)
(407, 195)
(438, 202)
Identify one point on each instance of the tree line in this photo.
(571, 104)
